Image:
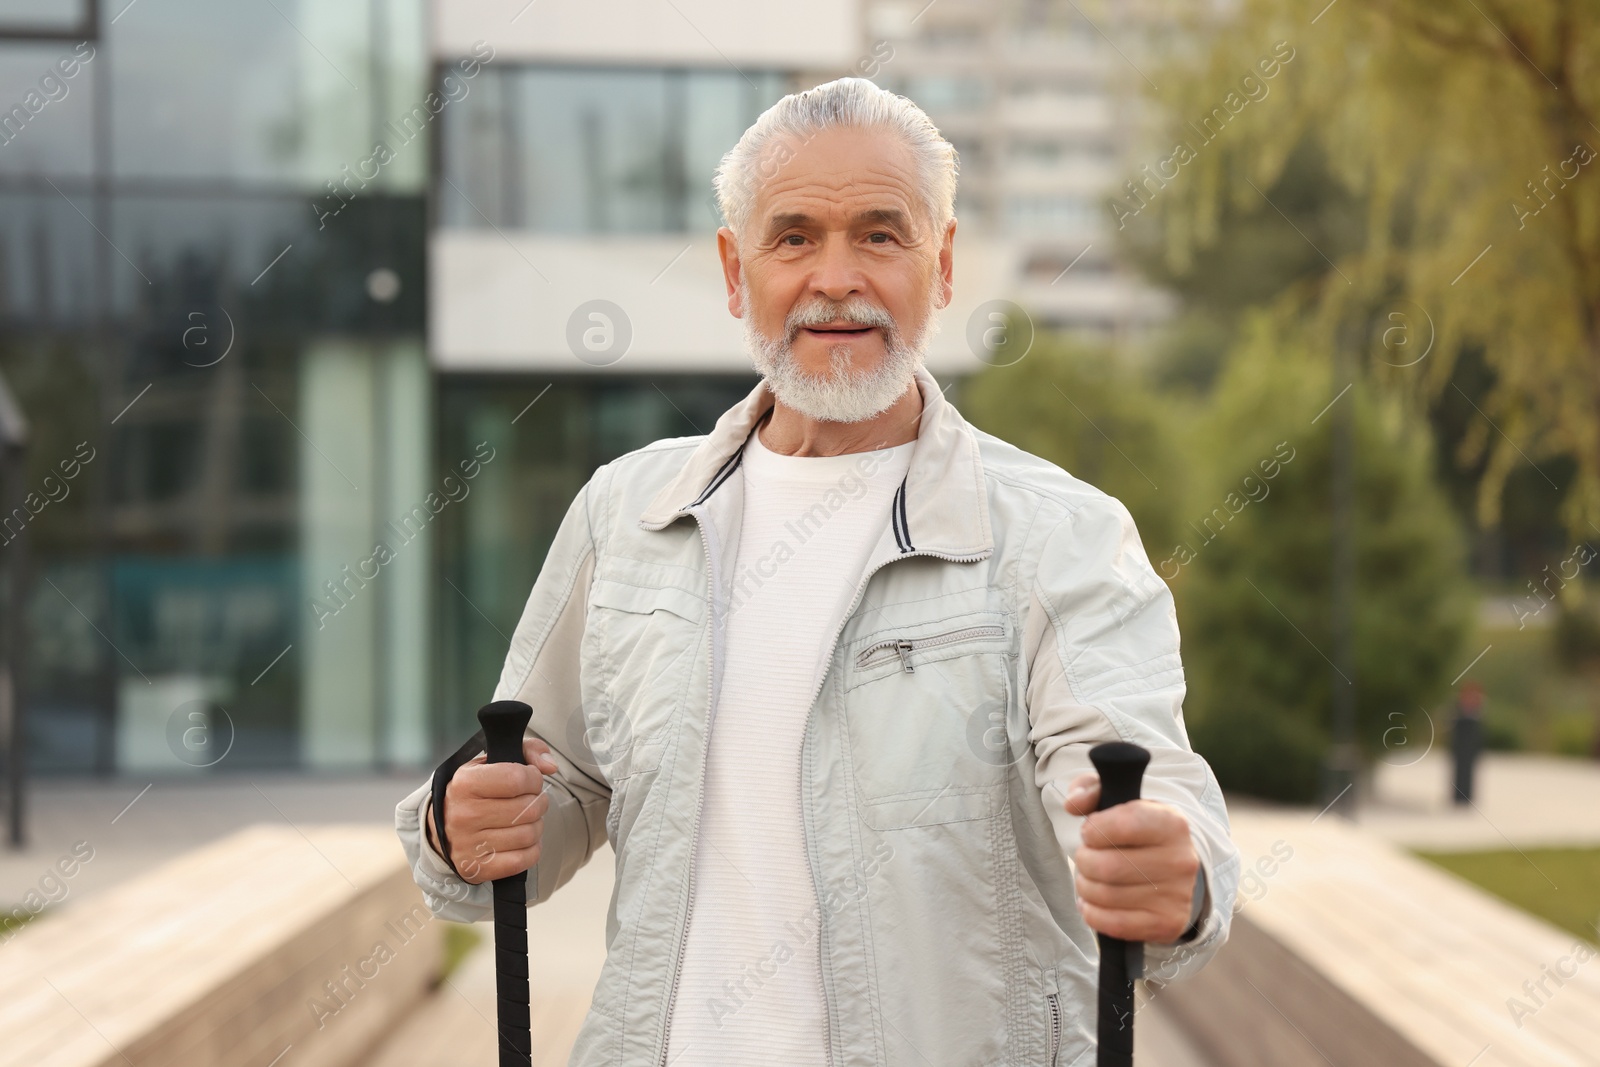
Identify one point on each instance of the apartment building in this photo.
(1040, 99)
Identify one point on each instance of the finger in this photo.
(474, 815)
(528, 809)
(1135, 824)
(495, 780)
(1165, 897)
(1083, 794)
(536, 752)
(501, 865)
(1125, 869)
(481, 847)
(487, 843)
(1131, 925)
(1137, 866)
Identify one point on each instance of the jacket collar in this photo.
(940, 508)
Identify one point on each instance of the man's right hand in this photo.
(494, 814)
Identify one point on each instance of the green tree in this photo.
(1468, 135)
(1252, 571)
(1087, 412)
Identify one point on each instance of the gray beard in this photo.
(843, 394)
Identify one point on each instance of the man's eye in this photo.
(875, 236)
(793, 237)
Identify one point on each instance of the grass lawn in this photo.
(10, 922)
(459, 939)
(1534, 702)
(1572, 902)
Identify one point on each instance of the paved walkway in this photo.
(567, 932)
(1520, 800)
(566, 935)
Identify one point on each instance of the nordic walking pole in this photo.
(503, 724)
(1121, 768)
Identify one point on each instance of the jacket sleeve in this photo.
(1100, 640)
(542, 670)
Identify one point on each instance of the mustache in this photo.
(856, 310)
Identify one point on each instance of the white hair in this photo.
(847, 103)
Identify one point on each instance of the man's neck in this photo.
(790, 433)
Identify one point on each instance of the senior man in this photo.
(827, 678)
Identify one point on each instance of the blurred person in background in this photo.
(1466, 739)
(826, 678)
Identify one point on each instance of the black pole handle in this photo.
(1121, 768)
(504, 723)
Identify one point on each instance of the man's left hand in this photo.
(1135, 868)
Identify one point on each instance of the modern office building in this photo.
(331, 307)
(240, 372)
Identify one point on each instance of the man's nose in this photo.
(838, 274)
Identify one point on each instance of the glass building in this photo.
(301, 519)
(244, 379)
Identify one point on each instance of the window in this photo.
(261, 93)
(936, 94)
(1049, 151)
(33, 17)
(1047, 268)
(596, 150)
(1048, 214)
(46, 109)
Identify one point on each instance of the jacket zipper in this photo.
(699, 801)
(805, 731)
(905, 647)
(1054, 1000)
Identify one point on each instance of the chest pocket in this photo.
(643, 638)
(931, 716)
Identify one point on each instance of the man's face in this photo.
(839, 274)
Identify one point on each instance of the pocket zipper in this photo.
(1054, 1000)
(905, 646)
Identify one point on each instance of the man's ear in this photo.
(947, 263)
(732, 268)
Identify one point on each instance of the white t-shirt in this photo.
(751, 990)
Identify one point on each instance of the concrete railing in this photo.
(270, 946)
(1349, 952)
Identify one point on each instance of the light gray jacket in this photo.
(1007, 620)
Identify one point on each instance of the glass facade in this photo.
(596, 150)
(281, 526)
(201, 350)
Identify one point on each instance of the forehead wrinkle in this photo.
(798, 213)
(896, 177)
(882, 181)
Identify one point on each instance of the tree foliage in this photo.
(1253, 588)
(1086, 412)
(1468, 135)
(1233, 506)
